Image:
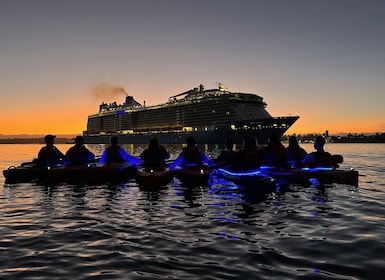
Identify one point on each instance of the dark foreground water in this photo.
(204, 232)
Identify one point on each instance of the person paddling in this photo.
(155, 155)
(191, 156)
(295, 153)
(248, 158)
(49, 155)
(79, 153)
(227, 153)
(115, 153)
(319, 157)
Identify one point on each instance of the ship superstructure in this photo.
(210, 116)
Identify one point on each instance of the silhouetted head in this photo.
(153, 143)
(79, 140)
(190, 141)
(319, 142)
(49, 138)
(114, 140)
(293, 141)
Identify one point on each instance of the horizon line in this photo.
(70, 135)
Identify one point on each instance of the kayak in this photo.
(83, 173)
(305, 176)
(254, 179)
(26, 172)
(192, 176)
(153, 177)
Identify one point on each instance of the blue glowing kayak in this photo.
(305, 176)
(255, 179)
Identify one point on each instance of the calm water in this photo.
(205, 232)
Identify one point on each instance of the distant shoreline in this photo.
(40, 140)
(331, 139)
(349, 138)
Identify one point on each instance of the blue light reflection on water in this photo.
(220, 230)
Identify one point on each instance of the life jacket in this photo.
(322, 158)
(49, 156)
(295, 154)
(275, 155)
(79, 155)
(154, 157)
(246, 160)
(225, 156)
(192, 157)
(113, 154)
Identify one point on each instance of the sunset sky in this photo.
(321, 60)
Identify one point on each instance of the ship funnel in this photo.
(131, 102)
(103, 107)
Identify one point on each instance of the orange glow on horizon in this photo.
(367, 126)
(64, 123)
(71, 118)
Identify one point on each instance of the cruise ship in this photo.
(211, 116)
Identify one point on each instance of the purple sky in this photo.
(322, 60)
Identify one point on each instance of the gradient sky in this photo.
(321, 60)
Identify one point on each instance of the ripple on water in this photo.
(220, 231)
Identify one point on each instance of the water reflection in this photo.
(192, 194)
(220, 230)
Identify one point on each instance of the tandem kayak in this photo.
(304, 176)
(25, 172)
(84, 173)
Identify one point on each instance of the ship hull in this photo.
(202, 137)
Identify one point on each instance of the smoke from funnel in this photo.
(105, 91)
